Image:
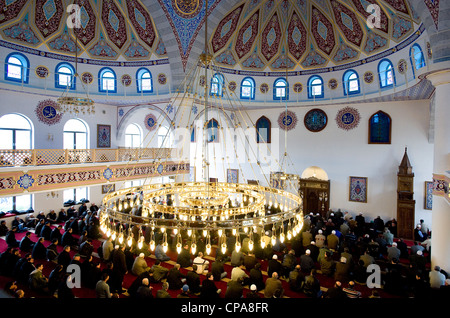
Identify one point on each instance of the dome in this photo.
(300, 35)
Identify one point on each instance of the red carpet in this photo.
(325, 282)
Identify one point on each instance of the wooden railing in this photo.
(43, 157)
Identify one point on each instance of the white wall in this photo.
(344, 153)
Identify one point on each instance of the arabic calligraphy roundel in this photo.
(47, 112)
(347, 118)
(287, 120)
(150, 122)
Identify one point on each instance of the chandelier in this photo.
(209, 208)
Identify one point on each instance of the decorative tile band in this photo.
(67, 58)
(19, 182)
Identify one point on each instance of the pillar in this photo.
(440, 247)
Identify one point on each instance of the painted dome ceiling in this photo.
(108, 29)
(302, 34)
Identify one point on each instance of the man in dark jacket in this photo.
(46, 231)
(39, 250)
(56, 234)
(120, 266)
(274, 266)
(193, 280)
(184, 258)
(26, 244)
(175, 278)
(67, 238)
(11, 238)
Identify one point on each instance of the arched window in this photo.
(213, 130)
(217, 82)
(165, 137)
(351, 82)
(75, 134)
(193, 134)
(417, 57)
(380, 128)
(280, 89)
(17, 68)
(144, 81)
(248, 88)
(263, 126)
(107, 80)
(386, 73)
(315, 87)
(133, 136)
(65, 76)
(16, 132)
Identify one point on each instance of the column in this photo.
(440, 247)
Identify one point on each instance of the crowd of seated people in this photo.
(336, 246)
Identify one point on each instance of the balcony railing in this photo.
(43, 157)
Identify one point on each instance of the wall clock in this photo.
(315, 120)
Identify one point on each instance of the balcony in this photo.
(38, 170)
(44, 157)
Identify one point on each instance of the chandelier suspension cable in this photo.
(204, 206)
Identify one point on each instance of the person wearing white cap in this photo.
(393, 252)
(320, 239)
(418, 260)
(332, 241)
(274, 265)
(253, 293)
(342, 270)
(140, 265)
(306, 262)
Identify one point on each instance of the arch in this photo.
(144, 81)
(16, 132)
(314, 172)
(315, 87)
(165, 137)
(65, 76)
(212, 130)
(107, 80)
(386, 74)
(380, 127)
(281, 89)
(76, 134)
(350, 81)
(248, 88)
(263, 130)
(217, 82)
(133, 136)
(416, 57)
(17, 68)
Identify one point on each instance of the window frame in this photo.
(382, 74)
(412, 58)
(210, 125)
(14, 203)
(72, 85)
(25, 68)
(286, 89)
(310, 87)
(269, 131)
(74, 132)
(346, 82)
(14, 130)
(101, 78)
(252, 86)
(74, 197)
(220, 84)
(132, 141)
(139, 73)
(370, 141)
